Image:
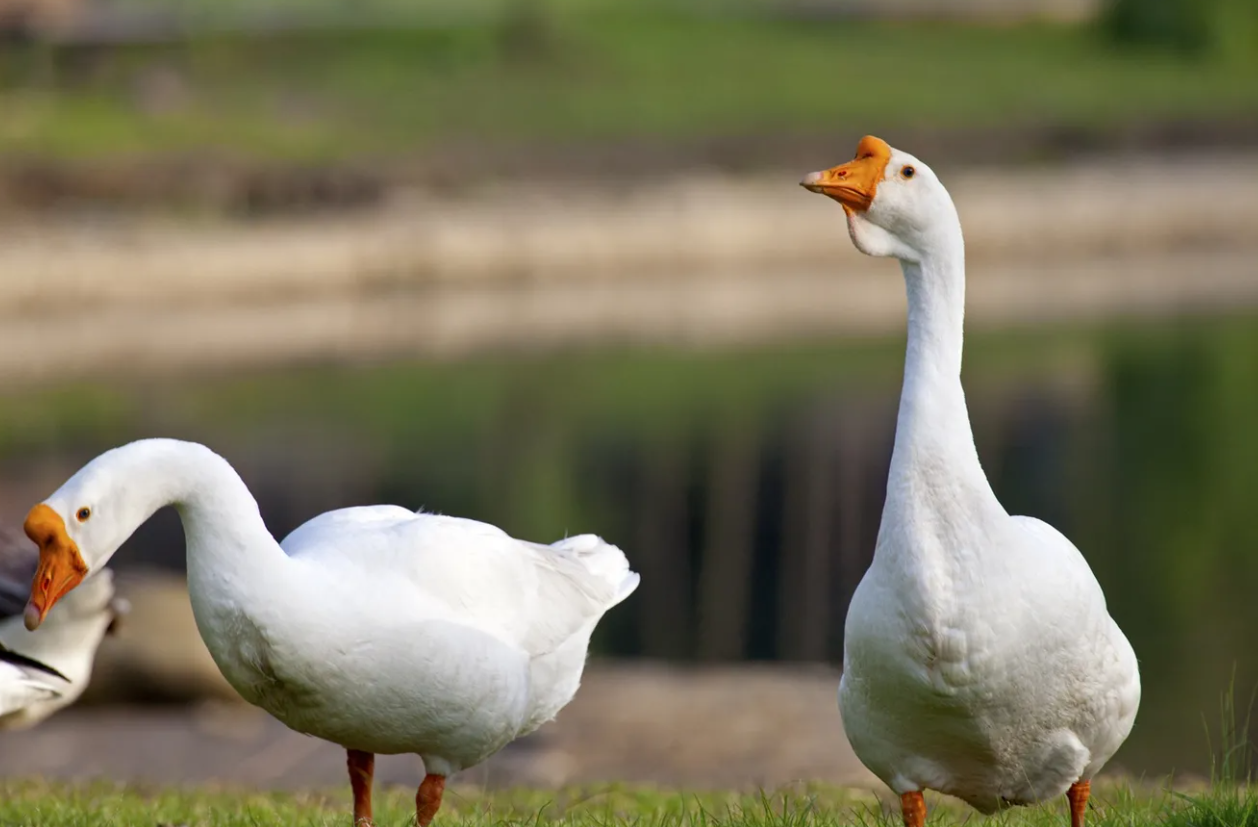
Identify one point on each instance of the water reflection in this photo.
(747, 487)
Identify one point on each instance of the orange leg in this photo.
(913, 808)
(361, 766)
(1078, 796)
(428, 799)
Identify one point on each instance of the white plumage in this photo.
(377, 628)
(980, 659)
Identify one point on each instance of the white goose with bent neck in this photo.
(377, 628)
(979, 659)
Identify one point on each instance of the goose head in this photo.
(78, 529)
(895, 204)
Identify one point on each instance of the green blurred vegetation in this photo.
(454, 435)
(1223, 29)
(1152, 478)
(1167, 496)
(560, 71)
(1152, 474)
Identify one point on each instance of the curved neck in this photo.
(228, 543)
(935, 475)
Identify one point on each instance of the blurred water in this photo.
(746, 485)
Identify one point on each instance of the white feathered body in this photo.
(980, 661)
(400, 632)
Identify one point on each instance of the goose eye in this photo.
(83, 514)
(908, 172)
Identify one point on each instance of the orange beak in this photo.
(855, 183)
(61, 566)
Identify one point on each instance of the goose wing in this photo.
(533, 595)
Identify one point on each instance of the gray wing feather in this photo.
(18, 560)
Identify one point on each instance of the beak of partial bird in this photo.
(855, 183)
(61, 566)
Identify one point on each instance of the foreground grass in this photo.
(38, 803)
(610, 70)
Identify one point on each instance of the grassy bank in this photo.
(570, 73)
(31, 803)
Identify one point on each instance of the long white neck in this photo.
(936, 487)
(230, 553)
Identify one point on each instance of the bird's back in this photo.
(481, 636)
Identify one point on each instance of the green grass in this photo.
(38, 803)
(577, 72)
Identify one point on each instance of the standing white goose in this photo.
(376, 628)
(979, 657)
(44, 671)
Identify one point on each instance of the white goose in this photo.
(979, 657)
(44, 671)
(376, 628)
(26, 683)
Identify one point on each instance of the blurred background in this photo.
(544, 263)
